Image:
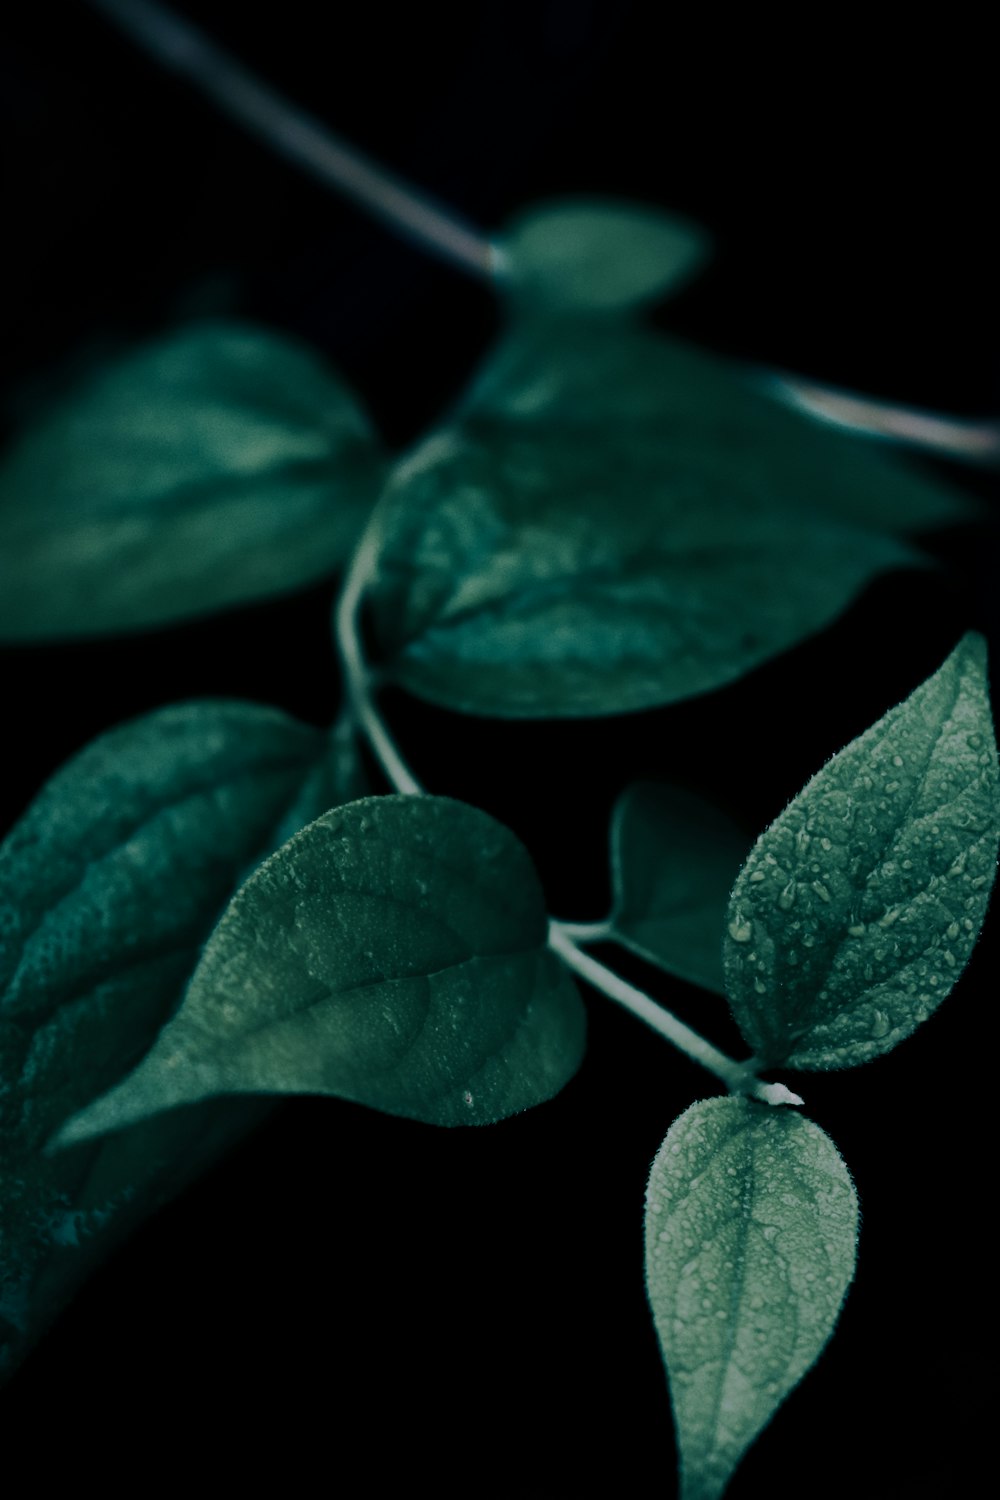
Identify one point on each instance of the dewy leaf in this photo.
(221, 464)
(857, 909)
(533, 571)
(393, 953)
(109, 885)
(751, 1229)
(674, 857)
(599, 255)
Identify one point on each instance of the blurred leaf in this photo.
(394, 953)
(221, 464)
(857, 909)
(693, 413)
(674, 857)
(599, 255)
(530, 571)
(751, 1229)
(109, 885)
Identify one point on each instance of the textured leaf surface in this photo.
(857, 909)
(530, 571)
(751, 1229)
(393, 953)
(599, 255)
(109, 885)
(674, 857)
(219, 465)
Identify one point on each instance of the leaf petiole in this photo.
(738, 1077)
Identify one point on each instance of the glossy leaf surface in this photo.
(858, 907)
(221, 464)
(393, 953)
(751, 1232)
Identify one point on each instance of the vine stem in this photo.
(312, 145)
(738, 1077)
(183, 48)
(563, 937)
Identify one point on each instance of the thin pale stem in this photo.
(587, 932)
(738, 1077)
(357, 679)
(312, 145)
(178, 45)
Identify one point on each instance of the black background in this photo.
(364, 1303)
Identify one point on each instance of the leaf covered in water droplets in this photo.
(217, 465)
(751, 1232)
(858, 907)
(394, 953)
(109, 885)
(674, 857)
(598, 255)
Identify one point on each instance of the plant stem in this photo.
(310, 144)
(357, 678)
(563, 937)
(738, 1077)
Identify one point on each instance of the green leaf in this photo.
(674, 857)
(751, 1229)
(599, 255)
(698, 415)
(857, 909)
(109, 885)
(393, 953)
(529, 571)
(221, 464)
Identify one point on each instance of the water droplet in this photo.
(467, 1099)
(759, 986)
(953, 930)
(825, 845)
(757, 876)
(974, 741)
(979, 882)
(880, 1023)
(857, 930)
(897, 760)
(802, 841)
(891, 786)
(949, 958)
(890, 915)
(740, 930)
(821, 890)
(787, 896)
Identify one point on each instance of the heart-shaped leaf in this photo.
(529, 571)
(109, 885)
(394, 953)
